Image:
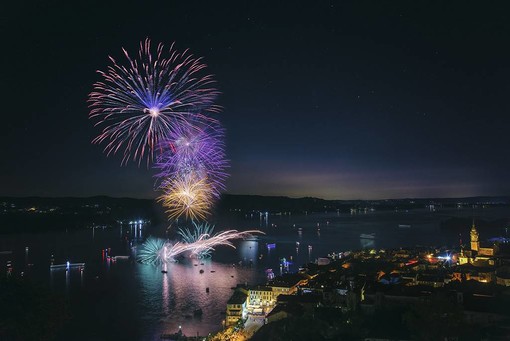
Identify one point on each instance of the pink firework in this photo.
(140, 103)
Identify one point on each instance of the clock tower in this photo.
(475, 243)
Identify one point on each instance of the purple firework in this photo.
(196, 149)
(139, 103)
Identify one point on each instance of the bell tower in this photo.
(475, 243)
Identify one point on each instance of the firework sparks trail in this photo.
(139, 103)
(167, 251)
(208, 243)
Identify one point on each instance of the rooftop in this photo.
(237, 297)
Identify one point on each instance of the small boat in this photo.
(404, 226)
(164, 271)
(232, 276)
(201, 263)
(213, 270)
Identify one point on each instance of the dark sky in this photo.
(334, 99)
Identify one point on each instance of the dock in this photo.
(66, 266)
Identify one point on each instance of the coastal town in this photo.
(381, 294)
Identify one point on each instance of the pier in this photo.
(67, 266)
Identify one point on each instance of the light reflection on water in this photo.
(170, 299)
(135, 301)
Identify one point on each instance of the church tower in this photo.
(475, 243)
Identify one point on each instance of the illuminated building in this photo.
(478, 255)
(236, 307)
(283, 289)
(467, 272)
(260, 300)
(260, 297)
(475, 243)
(288, 284)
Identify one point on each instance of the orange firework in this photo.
(187, 196)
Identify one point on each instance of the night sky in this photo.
(339, 100)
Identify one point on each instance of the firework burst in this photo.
(197, 150)
(139, 103)
(198, 233)
(152, 251)
(188, 196)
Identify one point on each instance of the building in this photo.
(288, 284)
(236, 307)
(467, 272)
(261, 297)
(475, 242)
(482, 255)
(283, 311)
(432, 280)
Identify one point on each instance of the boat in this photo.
(367, 236)
(201, 271)
(164, 271)
(213, 270)
(404, 226)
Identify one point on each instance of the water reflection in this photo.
(165, 290)
(176, 296)
(248, 250)
(68, 280)
(151, 303)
